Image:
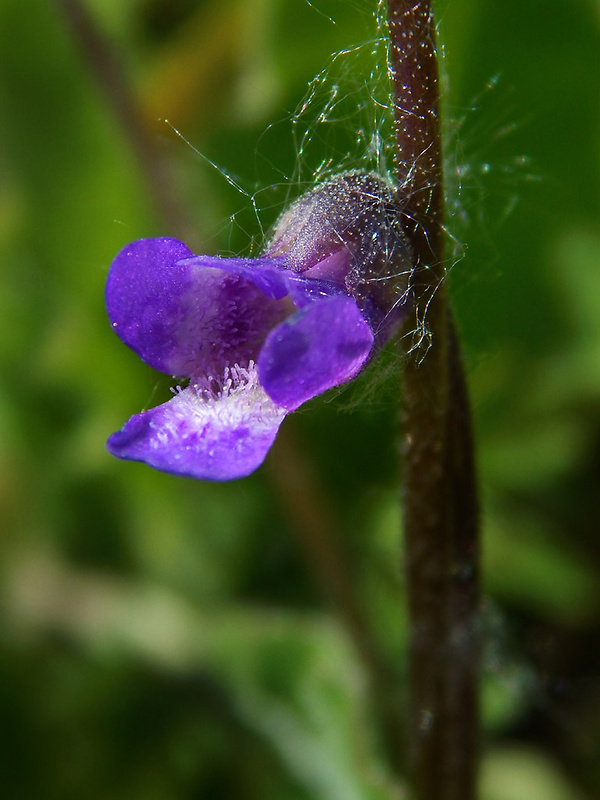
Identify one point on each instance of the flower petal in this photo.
(304, 292)
(266, 272)
(185, 315)
(322, 345)
(202, 433)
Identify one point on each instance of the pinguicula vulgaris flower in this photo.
(257, 337)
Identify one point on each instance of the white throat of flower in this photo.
(231, 401)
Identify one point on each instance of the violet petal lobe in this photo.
(205, 432)
(266, 272)
(143, 292)
(185, 315)
(321, 346)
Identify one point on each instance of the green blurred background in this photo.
(163, 638)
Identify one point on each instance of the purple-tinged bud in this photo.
(349, 230)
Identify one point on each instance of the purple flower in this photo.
(257, 337)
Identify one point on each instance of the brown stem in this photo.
(103, 60)
(440, 506)
(321, 539)
(417, 125)
(317, 528)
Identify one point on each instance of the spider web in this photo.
(345, 121)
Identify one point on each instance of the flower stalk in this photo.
(440, 504)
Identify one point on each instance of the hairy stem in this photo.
(440, 505)
(105, 66)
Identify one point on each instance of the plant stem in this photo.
(321, 536)
(440, 505)
(105, 65)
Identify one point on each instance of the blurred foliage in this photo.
(169, 639)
